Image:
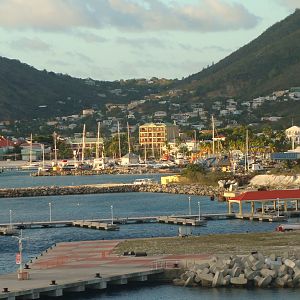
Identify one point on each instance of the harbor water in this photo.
(124, 205)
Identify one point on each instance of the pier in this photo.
(78, 267)
(109, 224)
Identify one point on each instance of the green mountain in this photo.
(27, 93)
(268, 63)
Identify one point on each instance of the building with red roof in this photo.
(5, 146)
(272, 201)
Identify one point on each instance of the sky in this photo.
(122, 39)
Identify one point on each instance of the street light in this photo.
(50, 212)
(199, 215)
(190, 210)
(112, 214)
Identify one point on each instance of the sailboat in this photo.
(31, 166)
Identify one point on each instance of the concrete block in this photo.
(252, 259)
(289, 263)
(264, 281)
(258, 265)
(206, 279)
(267, 272)
(227, 279)
(250, 274)
(218, 279)
(279, 282)
(179, 282)
(238, 281)
(290, 283)
(260, 256)
(296, 277)
(189, 281)
(202, 266)
(235, 272)
(282, 270)
(272, 256)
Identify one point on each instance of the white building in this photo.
(293, 134)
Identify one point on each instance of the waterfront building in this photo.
(34, 151)
(154, 136)
(293, 134)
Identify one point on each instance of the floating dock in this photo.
(96, 225)
(182, 221)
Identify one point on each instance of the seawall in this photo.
(108, 188)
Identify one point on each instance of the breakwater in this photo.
(109, 188)
(245, 271)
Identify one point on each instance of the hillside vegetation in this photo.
(26, 92)
(268, 63)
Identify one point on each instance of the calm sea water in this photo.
(125, 205)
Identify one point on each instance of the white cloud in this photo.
(34, 44)
(292, 4)
(151, 15)
(142, 43)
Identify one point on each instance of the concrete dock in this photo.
(76, 267)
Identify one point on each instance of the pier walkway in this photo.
(88, 265)
(106, 224)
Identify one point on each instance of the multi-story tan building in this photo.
(155, 135)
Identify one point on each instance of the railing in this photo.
(165, 264)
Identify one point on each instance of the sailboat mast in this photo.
(55, 147)
(213, 134)
(247, 152)
(30, 150)
(43, 151)
(119, 140)
(98, 141)
(128, 134)
(83, 143)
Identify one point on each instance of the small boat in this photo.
(288, 227)
(144, 181)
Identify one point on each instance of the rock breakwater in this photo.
(243, 271)
(188, 189)
(65, 190)
(106, 188)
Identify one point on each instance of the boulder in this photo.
(238, 281)
(267, 272)
(289, 263)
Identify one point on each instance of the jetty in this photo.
(111, 224)
(78, 267)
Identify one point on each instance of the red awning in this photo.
(268, 195)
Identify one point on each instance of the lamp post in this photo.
(112, 214)
(50, 212)
(190, 210)
(199, 214)
(277, 207)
